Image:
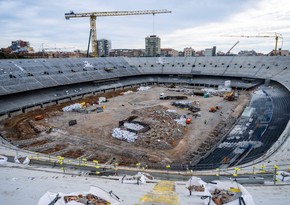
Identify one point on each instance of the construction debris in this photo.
(191, 106)
(164, 97)
(143, 88)
(96, 196)
(73, 107)
(124, 135)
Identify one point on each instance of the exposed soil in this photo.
(165, 142)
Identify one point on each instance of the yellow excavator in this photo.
(230, 96)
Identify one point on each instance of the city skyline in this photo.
(196, 24)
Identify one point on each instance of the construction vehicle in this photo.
(93, 17)
(212, 109)
(230, 96)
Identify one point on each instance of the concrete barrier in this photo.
(76, 97)
(63, 100)
(48, 104)
(3, 117)
(32, 108)
(88, 95)
(15, 113)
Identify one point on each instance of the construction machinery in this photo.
(227, 53)
(276, 36)
(212, 109)
(93, 17)
(230, 96)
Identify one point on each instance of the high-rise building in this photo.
(152, 45)
(104, 47)
(210, 51)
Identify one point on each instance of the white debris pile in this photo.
(124, 135)
(172, 111)
(245, 145)
(233, 137)
(127, 92)
(133, 126)
(143, 88)
(260, 92)
(72, 107)
(183, 102)
(181, 121)
(226, 145)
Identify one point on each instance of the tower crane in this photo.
(276, 36)
(93, 17)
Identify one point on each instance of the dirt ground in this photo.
(166, 142)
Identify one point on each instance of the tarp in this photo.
(229, 187)
(283, 176)
(3, 159)
(136, 179)
(61, 199)
(197, 185)
(22, 160)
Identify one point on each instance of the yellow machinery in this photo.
(277, 36)
(230, 96)
(93, 16)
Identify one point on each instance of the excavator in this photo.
(230, 96)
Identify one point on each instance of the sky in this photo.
(198, 24)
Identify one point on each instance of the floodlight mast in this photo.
(93, 17)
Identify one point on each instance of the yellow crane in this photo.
(93, 16)
(276, 36)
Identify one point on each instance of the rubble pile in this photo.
(164, 133)
(181, 121)
(38, 128)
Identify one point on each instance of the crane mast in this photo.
(232, 48)
(276, 36)
(93, 17)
